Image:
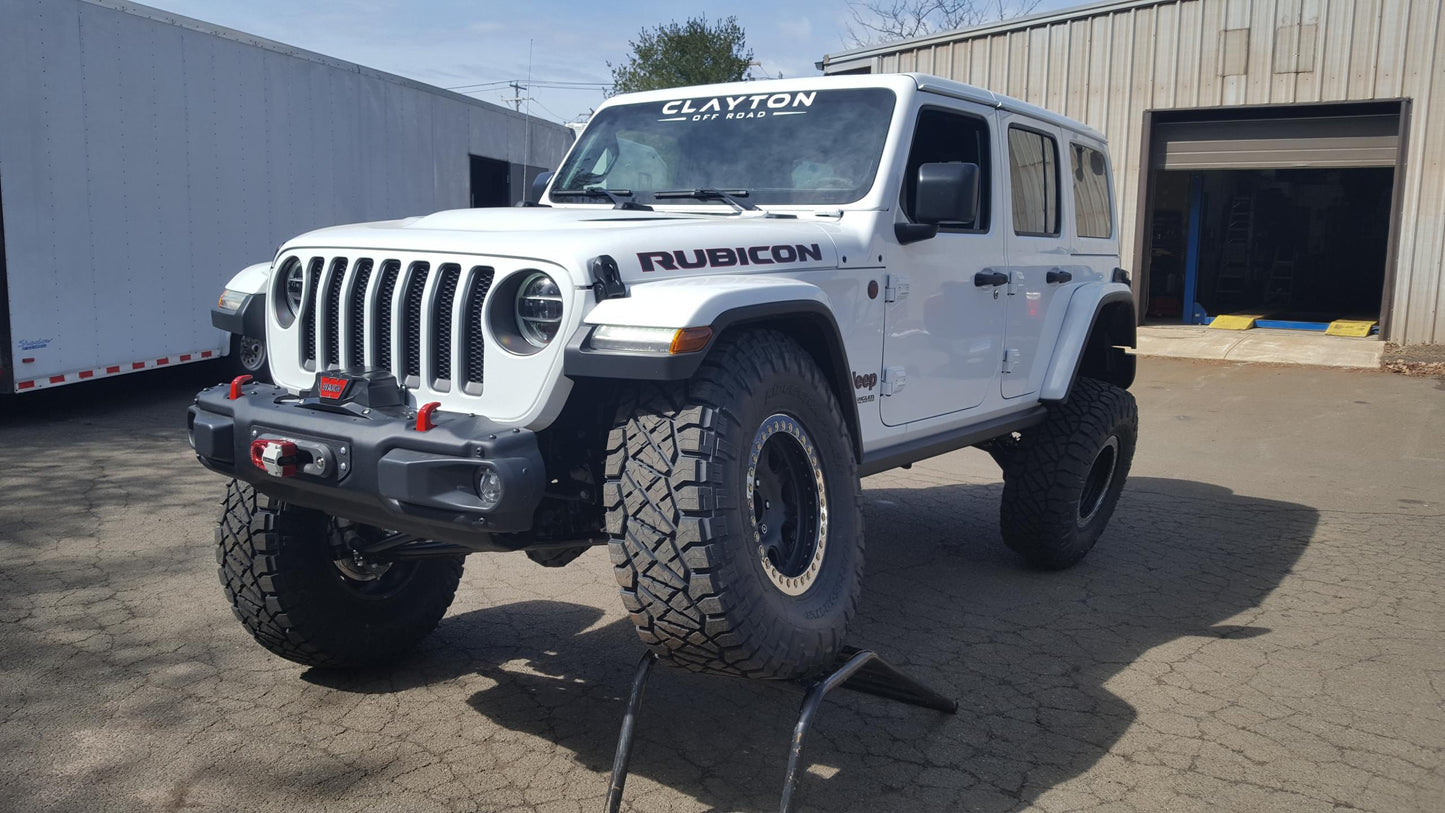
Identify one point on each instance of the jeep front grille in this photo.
(408, 317)
(334, 278)
(411, 322)
(356, 354)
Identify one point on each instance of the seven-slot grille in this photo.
(380, 318)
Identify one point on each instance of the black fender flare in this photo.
(809, 322)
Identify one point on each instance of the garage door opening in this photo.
(1273, 219)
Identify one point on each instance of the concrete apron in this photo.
(1259, 344)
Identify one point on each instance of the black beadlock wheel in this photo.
(733, 511)
(288, 586)
(1063, 477)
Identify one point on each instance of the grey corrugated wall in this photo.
(1107, 63)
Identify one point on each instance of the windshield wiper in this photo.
(617, 196)
(728, 196)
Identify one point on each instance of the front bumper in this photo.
(379, 469)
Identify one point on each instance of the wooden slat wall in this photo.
(1107, 66)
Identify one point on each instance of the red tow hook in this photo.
(424, 416)
(278, 458)
(236, 384)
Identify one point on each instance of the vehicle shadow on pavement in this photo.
(1028, 655)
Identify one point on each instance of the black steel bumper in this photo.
(378, 468)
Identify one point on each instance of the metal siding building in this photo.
(146, 157)
(1276, 79)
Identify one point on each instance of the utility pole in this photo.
(519, 98)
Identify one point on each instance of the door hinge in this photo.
(894, 378)
(896, 288)
(1011, 359)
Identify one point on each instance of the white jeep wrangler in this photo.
(731, 303)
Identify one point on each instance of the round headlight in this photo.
(539, 309)
(293, 285)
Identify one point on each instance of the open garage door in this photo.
(1274, 217)
(1325, 142)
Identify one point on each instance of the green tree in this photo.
(693, 53)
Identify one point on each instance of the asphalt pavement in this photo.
(1262, 627)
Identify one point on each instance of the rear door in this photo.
(1041, 267)
(943, 331)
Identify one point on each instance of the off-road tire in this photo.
(249, 356)
(681, 521)
(277, 570)
(1056, 501)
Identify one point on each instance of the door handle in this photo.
(1058, 275)
(985, 279)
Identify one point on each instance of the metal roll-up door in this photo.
(1278, 143)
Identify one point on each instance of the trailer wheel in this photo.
(1063, 477)
(248, 355)
(289, 588)
(733, 509)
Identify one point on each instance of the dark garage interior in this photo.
(1298, 245)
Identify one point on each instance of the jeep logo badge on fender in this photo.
(332, 388)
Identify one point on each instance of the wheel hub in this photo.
(252, 352)
(789, 501)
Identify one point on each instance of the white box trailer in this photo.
(145, 158)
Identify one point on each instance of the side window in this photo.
(1033, 160)
(944, 136)
(1091, 192)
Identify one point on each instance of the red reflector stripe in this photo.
(205, 354)
(163, 361)
(24, 385)
(87, 373)
(137, 365)
(57, 379)
(113, 369)
(186, 357)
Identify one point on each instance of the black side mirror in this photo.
(943, 193)
(539, 185)
(946, 193)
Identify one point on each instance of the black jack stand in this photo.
(861, 670)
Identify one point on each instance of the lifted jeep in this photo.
(731, 303)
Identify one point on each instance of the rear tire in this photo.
(733, 510)
(278, 569)
(1063, 477)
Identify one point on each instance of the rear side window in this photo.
(1091, 192)
(1034, 170)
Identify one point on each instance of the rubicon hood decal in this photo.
(684, 259)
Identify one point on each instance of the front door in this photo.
(944, 326)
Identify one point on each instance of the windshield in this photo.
(808, 147)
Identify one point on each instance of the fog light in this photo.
(489, 488)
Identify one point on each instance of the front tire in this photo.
(287, 586)
(1063, 477)
(733, 511)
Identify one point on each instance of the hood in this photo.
(645, 245)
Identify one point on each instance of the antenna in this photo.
(527, 126)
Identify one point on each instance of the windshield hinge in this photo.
(606, 278)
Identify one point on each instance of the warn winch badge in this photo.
(333, 388)
(685, 259)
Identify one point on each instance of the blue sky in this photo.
(453, 43)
